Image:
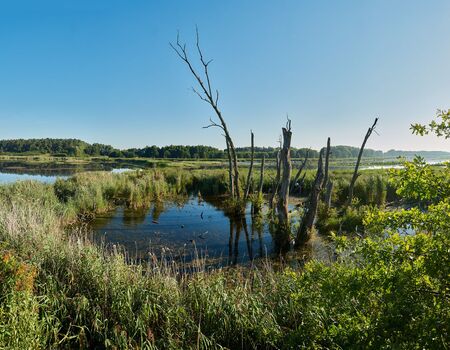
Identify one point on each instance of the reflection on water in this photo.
(192, 228)
(12, 172)
(182, 230)
(9, 178)
(401, 166)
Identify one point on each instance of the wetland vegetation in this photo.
(377, 289)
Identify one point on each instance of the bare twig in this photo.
(205, 94)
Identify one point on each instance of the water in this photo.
(376, 167)
(401, 166)
(46, 176)
(121, 170)
(182, 230)
(6, 178)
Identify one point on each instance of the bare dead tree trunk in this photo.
(327, 159)
(206, 95)
(307, 223)
(355, 173)
(230, 171)
(250, 170)
(236, 171)
(276, 183)
(329, 193)
(285, 161)
(326, 178)
(301, 183)
(261, 176)
(256, 207)
(299, 172)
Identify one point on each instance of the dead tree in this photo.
(276, 182)
(285, 162)
(257, 203)
(326, 178)
(250, 170)
(299, 172)
(327, 159)
(261, 176)
(230, 170)
(307, 223)
(206, 95)
(328, 193)
(355, 173)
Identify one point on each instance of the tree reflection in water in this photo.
(188, 227)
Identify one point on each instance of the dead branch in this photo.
(307, 223)
(299, 172)
(327, 184)
(276, 181)
(261, 176)
(355, 173)
(206, 95)
(249, 175)
(285, 161)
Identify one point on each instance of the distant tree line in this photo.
(78, 148)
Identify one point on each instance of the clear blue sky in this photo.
(103, 70)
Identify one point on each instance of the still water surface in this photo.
(49, 176)
(182, 230)
(12, 177)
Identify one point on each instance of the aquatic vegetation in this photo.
(60, 290)
(96, 192)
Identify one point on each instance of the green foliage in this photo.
(372, 188)
(69, 147)
(437, 217)
(78, 148)
(429, 191)
(440, 128)
(333, 220)
(419, 181)
(388, 293)
(20, 325)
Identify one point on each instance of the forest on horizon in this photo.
(79, 148)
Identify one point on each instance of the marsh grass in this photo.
(90, 193)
